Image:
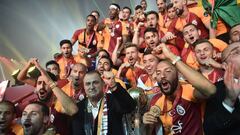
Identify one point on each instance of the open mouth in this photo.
(152, 43)
(165, 85)
(192, 39)
(151, 25)
(2, 123)
(66, 54)
(131, 60)
(203, 58)
(42, 92)
(27, 125)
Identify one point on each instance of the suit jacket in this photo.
(219, 121)
(119, 102)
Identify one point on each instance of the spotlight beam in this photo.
(3, 74)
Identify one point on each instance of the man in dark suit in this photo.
(101, 113)
(222, 114)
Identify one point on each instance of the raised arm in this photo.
(115, 53)
(69, 106)
(136, 39)
(204, 88)
(22, 76)
(222, 110)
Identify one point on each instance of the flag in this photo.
(3, 86)
(227, 10)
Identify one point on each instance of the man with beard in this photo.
(74, 88)
(222, 109)
(35, 119)
(184, 17)
(210, 68)
(161, 4)
(47, 92)
(179, 103)
(111, 28)
(53, 67)
(126, 24)
(143, 3)
(131, 69)
(191, 34)
(152, 40)
(152, 22)
(87, 37)
(105, 64)
(99, 113)
(66, 58)
(7, 115)
(97, 16)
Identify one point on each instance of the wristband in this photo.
(178, 58)
(52, 85)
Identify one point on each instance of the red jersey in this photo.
(65, 65)
(111, 32)
(176, 27)
(181, 116)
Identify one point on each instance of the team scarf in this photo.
(102, 128)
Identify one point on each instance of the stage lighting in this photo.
(15, 73)
(14, 76)
(33, 72)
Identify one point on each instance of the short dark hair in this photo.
(138, 7)
(153, 12)
(128, 9)
(200, 41)
(149, 52)
(9, 103)
(44, 107)
(92, 17)
(129, 44)
(109, 59)
(52, 62)
(190, 24)
(95, 11)
(169, 5)
(65, 41)
(52, 76)
(153, 30)
(163, 1)
(103, 50)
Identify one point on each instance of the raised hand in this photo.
(211, 62)
(232, 85)
(119, 41)
(32, 61)
(168, 36)
(163, 52)
(109, 79)
(125, 65)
